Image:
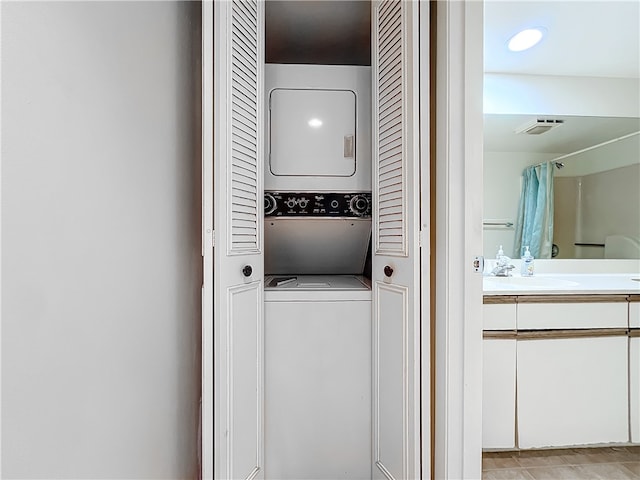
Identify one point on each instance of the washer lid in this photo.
(316, 282)
(316, 246)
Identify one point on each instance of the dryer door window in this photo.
(312, 132)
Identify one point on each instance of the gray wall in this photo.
(100, 239)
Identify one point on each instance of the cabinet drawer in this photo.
(499, 317)
(634, 315)
(634, 388)
(543, 316)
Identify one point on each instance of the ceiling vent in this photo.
(539, 126)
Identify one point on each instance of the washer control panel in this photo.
(294, 204)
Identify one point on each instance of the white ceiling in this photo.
(584, 38)
(590, 38)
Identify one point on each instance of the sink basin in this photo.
(499, 283)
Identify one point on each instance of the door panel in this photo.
(244, 363)
(396, 254)
(391, 361)
(238, 253)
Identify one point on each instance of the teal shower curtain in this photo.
(534, 225)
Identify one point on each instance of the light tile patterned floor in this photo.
(606, 463)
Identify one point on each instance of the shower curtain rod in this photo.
(613, 140)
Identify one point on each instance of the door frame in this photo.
(206, 455)
(458, 240)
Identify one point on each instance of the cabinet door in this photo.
(572, 391)
(499, 393)
(634, 385)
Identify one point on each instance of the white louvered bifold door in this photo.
(238, 258)
(396, 255)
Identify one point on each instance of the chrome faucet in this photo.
(502, 269)
(503, 265)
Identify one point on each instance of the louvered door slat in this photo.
(392, 118)
(391, 170)
(389, 212)
(391, 50)
(244, 170)
(391, 131)
(391, 150)
(392, 184)
(248, 12)
(241, 51)
(248, 77)
(244, 113)
(241, 23)
(244, 153)
(244, 97)
(244, 80)
(244, 181)
(238, 208)
(390, 78)
(244, 13)
(242, 132)
(243, 158)
(387, 141)
(388, 12)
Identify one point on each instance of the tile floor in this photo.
(606, 463)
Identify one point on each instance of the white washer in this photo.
(317, 377)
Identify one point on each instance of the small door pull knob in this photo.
(388, 271)
(247, 270)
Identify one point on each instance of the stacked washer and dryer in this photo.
(317, 297)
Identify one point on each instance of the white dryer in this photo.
(318, 125)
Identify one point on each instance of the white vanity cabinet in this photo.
(572, 371)
(634, 311)
(634, 386)
(499, 373)
(634, 367)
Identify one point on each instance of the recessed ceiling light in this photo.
(315, 123)
(525, 39)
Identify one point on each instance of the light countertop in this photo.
(563, 284)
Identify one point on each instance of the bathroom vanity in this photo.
(561, 360)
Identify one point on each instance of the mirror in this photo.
(590, 92)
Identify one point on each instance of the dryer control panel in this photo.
(319, 204)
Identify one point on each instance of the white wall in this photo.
(561, 95)
(618, 154)
(100, 239)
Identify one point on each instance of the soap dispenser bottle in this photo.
(526, 269)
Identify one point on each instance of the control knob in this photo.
(291, 202)
(359, 205)
(303, 202)
(269, 204)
